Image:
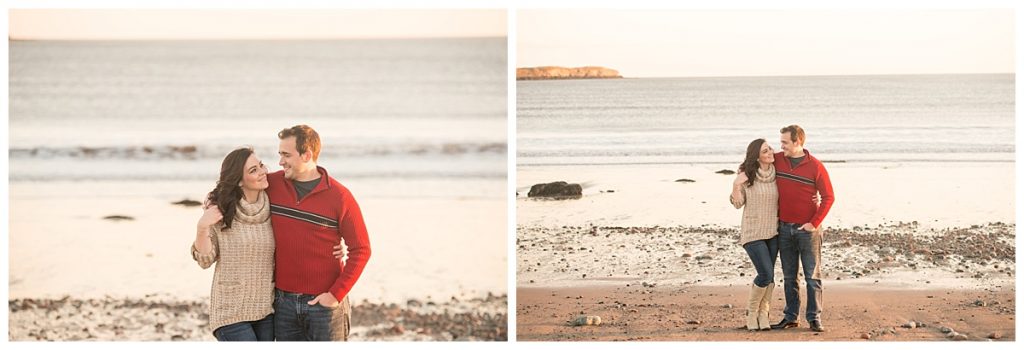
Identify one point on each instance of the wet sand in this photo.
(867, 194)
(697, 313)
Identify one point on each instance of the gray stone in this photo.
(557, 189)
(587, 321)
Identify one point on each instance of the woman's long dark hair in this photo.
(227, 193)
(750, 165)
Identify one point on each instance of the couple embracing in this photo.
(279, 241)
(785, 197)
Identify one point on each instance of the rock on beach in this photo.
(557, 189)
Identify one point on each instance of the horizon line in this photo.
(780, 76)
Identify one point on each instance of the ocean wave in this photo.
(204, 176)
(194, 152)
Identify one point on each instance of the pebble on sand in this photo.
(396, 329)
(118, 218)
(865, 336)
(587, 321)
(685, 180)
(725, 172)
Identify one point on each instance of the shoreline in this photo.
(649, 195)
(163, 317)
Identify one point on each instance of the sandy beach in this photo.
(680, 283)
(60, 243)
(867, 194)
(658, 260)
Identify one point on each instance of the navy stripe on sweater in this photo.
(303, 215)
(783, 175)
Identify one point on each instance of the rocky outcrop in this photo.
(549, 72)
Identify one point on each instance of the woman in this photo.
(235, 232)
(755, 191)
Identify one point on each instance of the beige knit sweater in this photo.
(243, 287)
(761, 210)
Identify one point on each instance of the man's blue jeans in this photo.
(763, 254)
(296, 320)
(798, 247)
(261, 330)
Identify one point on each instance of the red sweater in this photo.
(306, 231)
(798, 185)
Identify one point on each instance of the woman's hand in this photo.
(340, 250)
(211, 216)
(816, 199)
(204, 243)
(741, 178)
(736, 197)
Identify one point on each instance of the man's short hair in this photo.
(796, 133)
(306, 139)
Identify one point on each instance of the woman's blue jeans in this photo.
(261, 330)
(763, 254)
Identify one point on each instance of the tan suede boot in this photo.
(764, 306)
(753, 305)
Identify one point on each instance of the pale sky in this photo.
(254, 24)
(681, 43)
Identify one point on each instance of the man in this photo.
(312, 213)
(800, 177)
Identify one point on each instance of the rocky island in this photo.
(550, 72)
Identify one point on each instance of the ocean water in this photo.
(172, 109)
(853, 119)
(415, 128)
